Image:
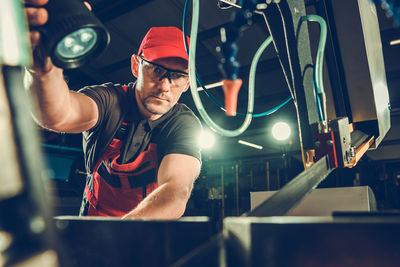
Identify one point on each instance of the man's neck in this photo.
(143, 111)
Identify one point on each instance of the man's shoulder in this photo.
(109, 94)
(178, 133)
(112, 101)
(110, 87)
(182, 112)
(181, 108)
(180, 119)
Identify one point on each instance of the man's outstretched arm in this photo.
(60, 109)
(176, 176)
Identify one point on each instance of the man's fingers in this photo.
(35, 38)
(36, 16)
(36, 2)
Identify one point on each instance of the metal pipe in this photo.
(268, 177)
(285, 166)
(237, 188)
(223, 193)
(278, 178)
(251, 180)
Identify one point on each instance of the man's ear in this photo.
(134, 65)
(186, 87)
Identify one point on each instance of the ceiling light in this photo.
(281, 131)
(395, 42)
(72, 35)
(250, 144)
(209, 86)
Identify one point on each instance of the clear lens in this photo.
(178, 79)
(158, 72)
(77, 43)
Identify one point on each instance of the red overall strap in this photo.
(118, 188)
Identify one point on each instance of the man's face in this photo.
(157, 88)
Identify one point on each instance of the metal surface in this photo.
(360, 46)
(210, 254)
(294, 192)
(24, 209)
(358, 138)
(361, 150)
(96, 241)
(350, 241)
(325, 201)
(14, 42)
(27, 213)
(10, 177)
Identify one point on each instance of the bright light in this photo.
(206, 139)
(77, 48)
(281, 131)
(68, 41)
(77, 43)
(250, 144)
(86, 37)
(209, 86)
(395, 42)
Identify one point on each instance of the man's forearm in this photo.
(168, 201)
(51, 93)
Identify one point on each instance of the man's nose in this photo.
(165, 83)
(166, 75)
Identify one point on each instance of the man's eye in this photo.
(176, 75)
(158, 71)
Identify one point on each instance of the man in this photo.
(139, 145)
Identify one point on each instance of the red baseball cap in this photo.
(163, 42)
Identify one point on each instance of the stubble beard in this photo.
(154, 108)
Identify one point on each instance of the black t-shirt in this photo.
(174, 132)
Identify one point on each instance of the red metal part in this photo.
(231, 90)
(325, 145)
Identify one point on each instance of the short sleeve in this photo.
(105, 96)
(181, 135)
